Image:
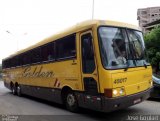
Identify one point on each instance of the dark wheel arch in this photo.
(11, 84)
(66, 94)
(13, 88)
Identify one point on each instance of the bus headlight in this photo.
(121, 92)
(116, 92)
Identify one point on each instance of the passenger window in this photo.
(48, 52)
(26, 58)
(9, 63)
(3, 64)
(66, 47)
(88, 63)
(36, 55)
(20, 58)
(16, 61)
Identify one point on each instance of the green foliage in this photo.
(152, 42)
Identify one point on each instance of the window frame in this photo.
(99, 45)
(84, 60)
(63, 39)
(45, 45)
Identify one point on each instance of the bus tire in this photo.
(19, 91)
(71, 102)
(13, 89)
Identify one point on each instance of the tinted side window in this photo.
(20, 59)
(3, 64)
(66, 47)
(36, 55)
(14, 61)
(88, 63)
(48, 52)
(9, 63)
(26, 58)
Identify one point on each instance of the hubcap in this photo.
(13, 90)
(70, 99)
(18, 90)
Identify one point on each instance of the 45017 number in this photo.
(122, 80)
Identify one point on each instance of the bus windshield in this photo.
(121, 48)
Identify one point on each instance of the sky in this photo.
(26, 22)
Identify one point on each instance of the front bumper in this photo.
(112, 104)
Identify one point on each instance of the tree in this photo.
(152, 41)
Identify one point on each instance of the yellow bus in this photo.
(99, 65)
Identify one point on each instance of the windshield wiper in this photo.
(145, 65)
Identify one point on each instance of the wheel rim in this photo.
(13, 90)
(70, 99)
(18, 90)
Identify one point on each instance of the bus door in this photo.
(89, 71)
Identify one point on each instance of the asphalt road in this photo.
(31, 109)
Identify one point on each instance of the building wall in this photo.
(150, 26)
(148, 15)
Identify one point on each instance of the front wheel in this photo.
(71, 102)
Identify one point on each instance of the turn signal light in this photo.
(108, 93)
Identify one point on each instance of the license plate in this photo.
(137, 101)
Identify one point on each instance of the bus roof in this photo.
(76, 28)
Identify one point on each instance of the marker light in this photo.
(151, 83)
